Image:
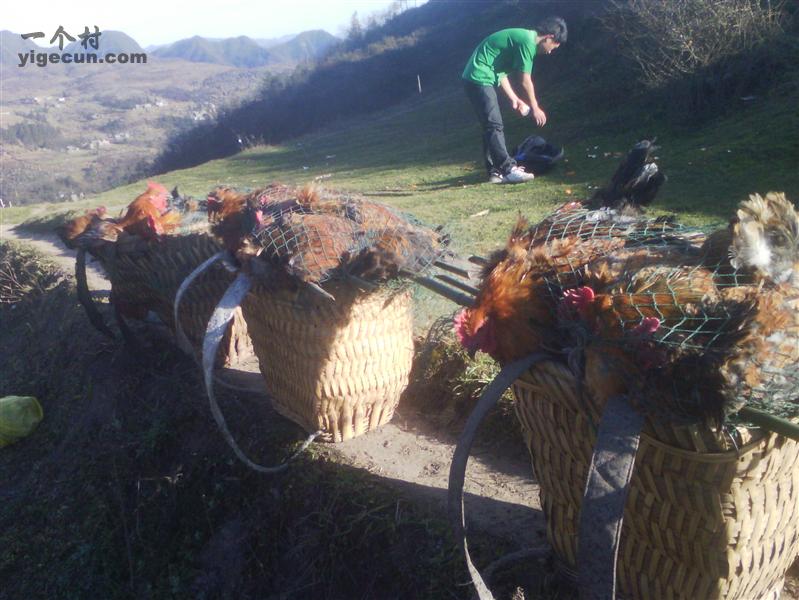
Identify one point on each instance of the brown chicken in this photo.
(71, 230)
(147, 216)
(302, 235)
(637, 311)
(764, 368)
(235, 215)
(326, 235)
(514, 313)
(668, 334)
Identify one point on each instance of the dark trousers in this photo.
(486, 105)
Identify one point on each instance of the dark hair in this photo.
(554, 26)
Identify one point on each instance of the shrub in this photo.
(32, 135)
(669, 40)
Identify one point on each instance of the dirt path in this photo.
(501, 495)
(49, 244)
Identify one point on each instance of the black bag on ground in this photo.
(536, 155)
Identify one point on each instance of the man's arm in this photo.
(516, 102)
(538, 114)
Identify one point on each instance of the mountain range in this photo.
(240, 51)
(244, 51)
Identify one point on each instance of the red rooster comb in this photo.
(154, 186)
(648, 326)
(575, 302)
(461, 326)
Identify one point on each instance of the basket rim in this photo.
(731, 455)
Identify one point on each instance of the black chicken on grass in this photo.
(635, 183)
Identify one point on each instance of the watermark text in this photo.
(87, 39)
(42, 59)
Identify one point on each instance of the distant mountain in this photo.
(269, 42)
(244, 51)
(109, 41)
(239, 52)
(307, 46)
(11, 44)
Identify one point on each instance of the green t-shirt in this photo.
(509, 50)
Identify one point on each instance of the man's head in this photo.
(552, 33)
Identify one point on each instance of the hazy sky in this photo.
(160, 22)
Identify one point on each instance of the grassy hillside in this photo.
(422, 157)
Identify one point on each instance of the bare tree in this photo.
(672, 38)
(355, 32)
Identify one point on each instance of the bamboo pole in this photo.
(771, 422)
(452, 269)
(458, 284)
(478, 260)
(440, 289)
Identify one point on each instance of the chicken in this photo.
(761, 241)
(236, 215)
(223, 202)
(71, 230)
(305, 236)
(515, 308)
(328, 235)
(183, 203)
(763, 369)
(634, 184)
(762, 261)
(147, 216)
(514, 311)
(310, 246)
(657, 325)
(654, 330)
(98, 232)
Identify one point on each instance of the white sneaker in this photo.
(517, 175)
(496, 177)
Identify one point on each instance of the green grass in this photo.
(422, 157)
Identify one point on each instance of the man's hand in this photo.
(520, 107)
(539, 116)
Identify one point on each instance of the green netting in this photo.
(668, 298)
(325, 236)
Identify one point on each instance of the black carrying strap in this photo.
(457, 472)
(602, 510)
(85, 298)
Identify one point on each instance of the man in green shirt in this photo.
(503, 52)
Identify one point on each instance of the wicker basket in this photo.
(696, 524)
(148, 274)
(336, 366)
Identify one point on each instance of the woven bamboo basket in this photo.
(697, 524)
(339, 367)
(148, 275)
